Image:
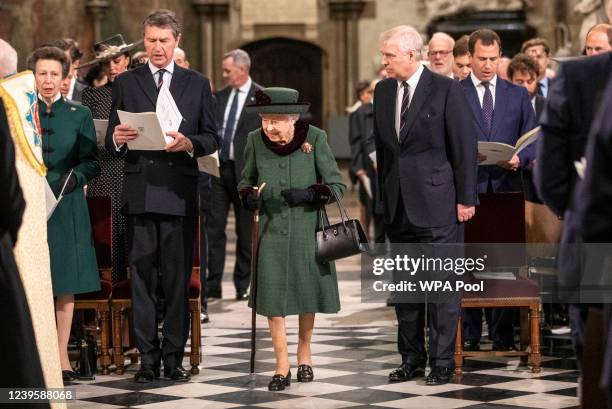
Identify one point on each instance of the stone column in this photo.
(212, 15)
(96, 9)
(346, 14)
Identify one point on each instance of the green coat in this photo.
(290, 280)
(69, 142)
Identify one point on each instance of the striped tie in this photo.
(403, 114)
(160, 79)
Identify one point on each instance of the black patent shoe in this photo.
(279, 382)
(305, 374)
(68, 376)
(177, 374)
(146, 374)
(438, 376)
(406, 372)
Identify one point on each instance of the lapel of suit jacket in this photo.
(472, 96)
(419, 97)
(178, 83)
(249, 99)
(390, 101)
(501, 102)
(146, 82)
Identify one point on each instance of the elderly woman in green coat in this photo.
(69, 152)
(297, 165)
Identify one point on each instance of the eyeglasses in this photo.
(442, 53)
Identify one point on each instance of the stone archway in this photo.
(285, 62)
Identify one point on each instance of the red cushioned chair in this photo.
(506, 213)
(100, 215)
(121, 304)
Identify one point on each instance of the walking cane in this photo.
(254, 252)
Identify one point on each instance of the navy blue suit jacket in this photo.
(158, 181)
(512, 117)
(433, 164)
(571, 105)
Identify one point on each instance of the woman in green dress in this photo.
(69, 152)
(297, 165)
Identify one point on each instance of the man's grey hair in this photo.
(443, 36)
(8, 59)
(407, 39)
(163, 19)
(240, 57)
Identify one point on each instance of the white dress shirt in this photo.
(412, 84)
(242, 96)
(480, 89)
(71, 89)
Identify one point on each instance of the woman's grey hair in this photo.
(407, 39)
(240, 57)
(49, 53)
(163, 19)
(8, 59)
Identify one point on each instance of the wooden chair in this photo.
(100, 215)
(500, 218)
(121, 305)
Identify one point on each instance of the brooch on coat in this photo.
(306, 147)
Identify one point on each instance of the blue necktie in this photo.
(229, 128)
(487, 108)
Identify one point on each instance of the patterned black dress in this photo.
(109, 183)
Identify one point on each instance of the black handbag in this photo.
(339, 240)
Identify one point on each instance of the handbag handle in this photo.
(343, 213)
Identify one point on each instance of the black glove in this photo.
(250, 200)
(253, 201)
(295, 197)
(71, 183)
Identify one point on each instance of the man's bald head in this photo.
(598, 39)
(8, 59)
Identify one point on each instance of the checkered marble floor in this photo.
(353, 352)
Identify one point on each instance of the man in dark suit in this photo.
(501, 112)
(361, 122)
(426, 164)
(234, 124)
(539, 50)
(71, 88)
(160, 196)
(595, 212)
(572, 103)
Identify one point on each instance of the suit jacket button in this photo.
(283, 165)
(169, 163)
(283, 182)
(151, 161)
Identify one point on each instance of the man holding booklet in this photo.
(162, 119)
(502, 113)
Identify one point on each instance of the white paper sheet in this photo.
(50, 198)
(209, 164)
(169, 116)
(101, 127)
(150, 134)
(502, 152)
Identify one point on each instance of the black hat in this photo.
(110, 48)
